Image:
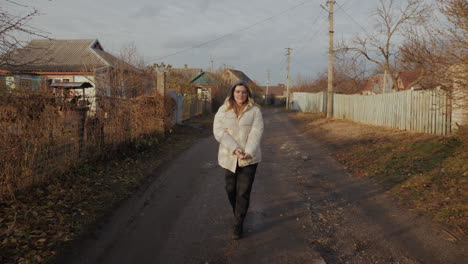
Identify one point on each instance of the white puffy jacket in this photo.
(243, 132)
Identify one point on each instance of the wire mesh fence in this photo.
(42, 137)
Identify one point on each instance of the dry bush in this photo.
(437, 48)
(342, 84)
(224, 86)
(127, 120)
(36, 139)
(42, 137)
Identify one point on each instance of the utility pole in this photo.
(267, 86)
(288, 77)
(211, 59)
(330, 59)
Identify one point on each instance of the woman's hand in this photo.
(239, 153)
(247, 156)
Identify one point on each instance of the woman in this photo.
(238, 127)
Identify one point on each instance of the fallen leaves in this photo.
(41, 221)
(423, 172)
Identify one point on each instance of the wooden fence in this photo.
(307, 102)
(192, 106)
(426, 111)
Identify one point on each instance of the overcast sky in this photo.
(159, 28)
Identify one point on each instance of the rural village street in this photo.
(305, 208)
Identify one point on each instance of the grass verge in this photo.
(423, 172)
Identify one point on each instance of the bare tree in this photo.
(438, 47)
(131, 74)
(351, 72)
(440, 50)
(379, 47)
(11, 27)
(128, 77)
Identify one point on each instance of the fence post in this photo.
(83, 131)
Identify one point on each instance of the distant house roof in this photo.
(239, 75)
(42, 55)
(204, 78)
(277, 90)
(375, 84)
(192, 72)
(407, 78)
(187, 73)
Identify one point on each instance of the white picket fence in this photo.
(425, 111)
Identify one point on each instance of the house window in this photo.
(25, 84)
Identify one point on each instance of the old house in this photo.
(184, 74)
(405, 79)
(274, 90)
(233, 76)
(43, 62)
(378, 85)
(178, 79)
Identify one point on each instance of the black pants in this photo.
(238, 187)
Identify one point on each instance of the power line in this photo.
(346, 2)
(229, 34)
(13, 2)
(346, 13)
(314, 35)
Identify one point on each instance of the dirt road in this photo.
(305, 209)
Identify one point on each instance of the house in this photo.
(207, 86)
(404, 79)
(43, 62)
(218, 85)
(184, 74)
(375, 84)
(378, 85)
(178, 79)
(205, 79)
(274, 90)
(233, 76)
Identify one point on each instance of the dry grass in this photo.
(424, 172)
(41, 223)
(43, 137)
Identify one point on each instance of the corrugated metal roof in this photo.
(204, 78)
(60, 56)
(72, 85)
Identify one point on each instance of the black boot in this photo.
(237, 231)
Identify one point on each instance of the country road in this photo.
(304, 209)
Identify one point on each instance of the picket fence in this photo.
(426, 111)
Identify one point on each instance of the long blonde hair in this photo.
(232, 102)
